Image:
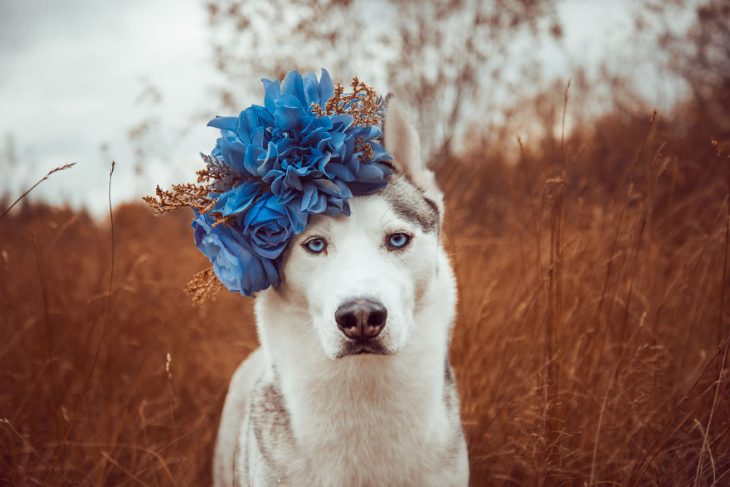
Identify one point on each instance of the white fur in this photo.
(363, 419)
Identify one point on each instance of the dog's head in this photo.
(359, 279)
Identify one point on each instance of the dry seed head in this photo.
(62, 168)
(365, 149)
(216, 177)
(180, 196)
(361, 104)
(168, 365)
(203, 286)
(222, 220)
(554, 188)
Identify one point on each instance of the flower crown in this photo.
(308, 150)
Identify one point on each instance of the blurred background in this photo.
(137, 81)
(582, 147)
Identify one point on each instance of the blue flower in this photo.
(269, 226)
(234, 261)
(287, 162)
(315, 159)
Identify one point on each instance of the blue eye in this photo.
(398, 240)
(315, 245)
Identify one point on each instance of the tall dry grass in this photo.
(590, 347)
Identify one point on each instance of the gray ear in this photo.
(402, 141)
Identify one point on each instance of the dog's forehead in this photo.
(400, 198)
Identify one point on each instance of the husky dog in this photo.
(352, 385)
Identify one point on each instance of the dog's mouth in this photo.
(373, 347)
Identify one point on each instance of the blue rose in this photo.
(270, 224)
(234, 261)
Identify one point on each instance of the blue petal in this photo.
(287, 118)
(311, 89)
(341, 122)
(328, 187)
(223, 123)
(321, 161)
(292, 180)
(277, 186)
(309, 197)
(264, 116)
(269, 160)
(290, 101)
(370, 173)
(337, 141)
(326, 88)
(332, 211)
(320, 205)
(346, 208)
(250, 159)
(238, 199)
(344, 189)
(362, 188)
(270, 272)
(297, 218)
(271, 94)
(340, 172)
(272, 253)
(293, 85)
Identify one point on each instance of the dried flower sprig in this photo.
(214, 179)
(361, 104)
(204, 286)
(184, 195)
(217, 176)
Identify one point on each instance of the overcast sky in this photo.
(74, 73)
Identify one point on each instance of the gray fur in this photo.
(410, 203)
(452, 403)
(269, 433)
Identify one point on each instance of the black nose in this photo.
(361, 319)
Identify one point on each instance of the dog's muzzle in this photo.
(362, 319)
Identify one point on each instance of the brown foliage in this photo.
(590, 345)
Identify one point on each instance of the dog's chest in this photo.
(378, 454)
(346, 442)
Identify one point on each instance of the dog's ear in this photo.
(402, 141)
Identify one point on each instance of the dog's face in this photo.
(360, 278)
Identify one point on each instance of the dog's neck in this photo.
(364, 398)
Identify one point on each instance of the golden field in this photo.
(590, 346)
